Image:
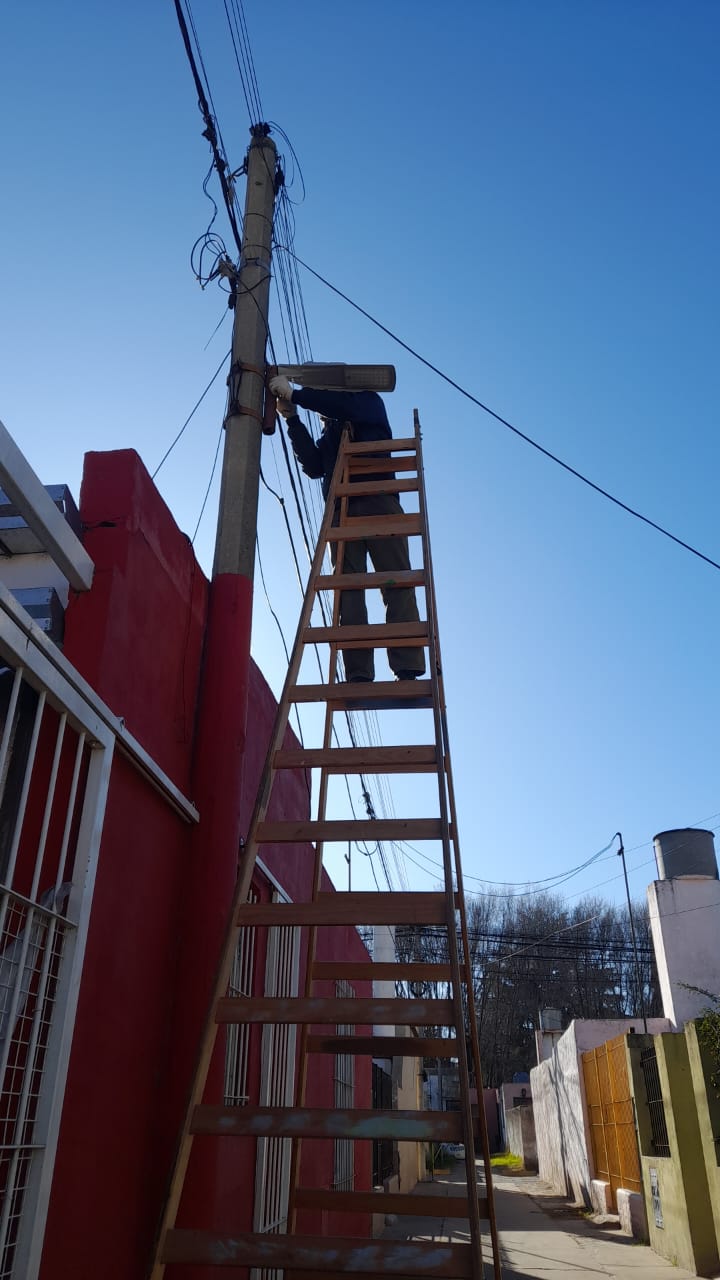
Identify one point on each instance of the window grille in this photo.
(344, 1081)
(237, 1043)
(659, 1142)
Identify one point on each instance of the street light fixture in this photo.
(323, 376)
(341, 377)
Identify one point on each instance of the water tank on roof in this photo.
(686, 852)
(550, 1020)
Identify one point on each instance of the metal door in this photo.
(612, 1117)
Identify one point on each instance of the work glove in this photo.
(286, 409)
(281, 387)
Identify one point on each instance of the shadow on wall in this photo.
(573, 1142)
(561, 1131)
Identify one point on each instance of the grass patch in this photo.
(507, 1162)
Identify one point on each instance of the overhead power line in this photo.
(211, 262)
(211, 129)
(553, 457)
(194, 409)
(521, 889)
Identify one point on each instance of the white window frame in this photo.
(277, 1086)
(344, 1091)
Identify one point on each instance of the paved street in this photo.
(542, 1237)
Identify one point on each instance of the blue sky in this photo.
(528, 195)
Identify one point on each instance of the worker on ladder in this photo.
(365, 412)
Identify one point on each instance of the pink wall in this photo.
(160, 904)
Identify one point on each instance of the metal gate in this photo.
(612, 1117)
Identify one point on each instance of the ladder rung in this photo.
(362, 466)
(322, 1122)
(385, 1046)
(356, 448)
(358, 488)
(426, 1206)
(339, 1255)
(348, 908)
(394, 693)
(383, 971)
(360, 759)
(361, 581)
(385, 1011)
(377, 635)
(404, 526)
(344, 829)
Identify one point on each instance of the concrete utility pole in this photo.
(237, 517)
(222, 709)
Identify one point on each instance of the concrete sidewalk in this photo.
(541, 1236)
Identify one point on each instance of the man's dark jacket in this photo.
(364, 409)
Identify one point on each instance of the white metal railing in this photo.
(55, 758)
(57, 740)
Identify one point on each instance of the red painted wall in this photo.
(160, 904)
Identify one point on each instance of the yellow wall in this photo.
(708, 1112)
(411, 1155)
(687, 1236)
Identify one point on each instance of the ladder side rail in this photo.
(339, 479)
(283, 710)
(474, 1220)
(474, 1035)
(209, 1031)
(444, 743)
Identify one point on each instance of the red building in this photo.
(122, 797)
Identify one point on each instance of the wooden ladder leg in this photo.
(447, 792)
(302, 1060)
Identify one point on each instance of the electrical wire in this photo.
(212, 128)
(219, 324)
(290, 177)
(545, 886)
(243, 57)
(212, 245)
(378, 848)
(295, 310)
(209, 486)
(553, 457)
(191, 414)
(244, 49)
(555, 934)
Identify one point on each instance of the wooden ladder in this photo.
(327, 1256)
